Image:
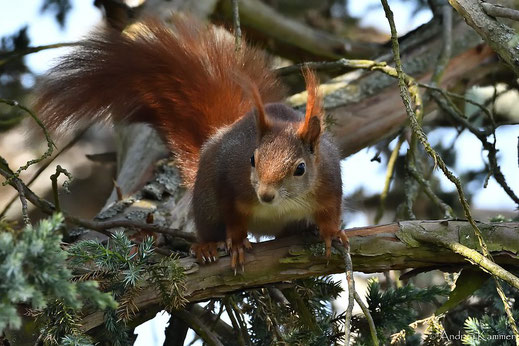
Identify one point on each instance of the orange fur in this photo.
(314, 101)
(184, 83)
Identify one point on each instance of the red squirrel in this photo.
(252, 163)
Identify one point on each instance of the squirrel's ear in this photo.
(310, 129)
(250, 88)
(262, 120)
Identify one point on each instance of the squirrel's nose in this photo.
(267, 197)
(266, 193)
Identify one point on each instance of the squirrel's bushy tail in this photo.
(186, 83)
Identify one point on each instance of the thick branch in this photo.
(257, 15)
(365, 107)
(500, 37)
(373, 249)
(500, 11)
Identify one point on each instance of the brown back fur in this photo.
(185, 83)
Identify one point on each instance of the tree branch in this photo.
(399, 246)
(500, 11)
(365, 107)
(499, 36)
(261, 17)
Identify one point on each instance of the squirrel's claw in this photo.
(328, 242)
(205, 252)
(208, 252)
(237, 253)
(343, 238)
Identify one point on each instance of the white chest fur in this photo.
(271, 219)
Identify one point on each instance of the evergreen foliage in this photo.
(125, 269)
(483, 318)
(33, 268)
(393, 310)
(308, 319)
(57, 284)
(488, 331)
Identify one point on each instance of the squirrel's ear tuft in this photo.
(262, 120)
(251, 89)
(310, 129)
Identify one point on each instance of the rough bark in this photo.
(256, 15)
(366, 106)
(373, 249)
(500, 37)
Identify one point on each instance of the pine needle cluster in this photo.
(393, 310)
(305, 318)
(35, 276)
(57, 284)
(125, 269)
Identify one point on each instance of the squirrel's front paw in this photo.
(206, 252)
(328, 241)
(236, 250)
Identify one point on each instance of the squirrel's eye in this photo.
(300, 170)
(252, 163)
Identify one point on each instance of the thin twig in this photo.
(232, 317)
(508, 309)
(236, 22)
(8, 174)
(446, 94)
(351, 290)
(44, 166)
(448, 213)
(54, 180)
(369, 318)
(104, 225)
(387, 181)
(454, 113)
(23, 200)
(330, 65)
(410, 192)
(6, 57)
(239, 315)
(98, 226)
(218, 315)
(50, 143)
